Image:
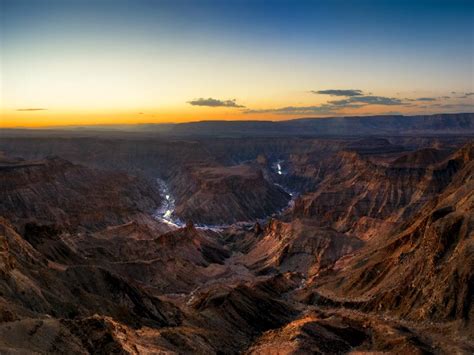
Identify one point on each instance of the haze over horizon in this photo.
(125, 62)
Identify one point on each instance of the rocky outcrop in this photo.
(225, 195)
(298, 246)
(55, 191)
(421, 158)
(425, 269)
(342, 331)
(32, 285)
(357, 196)
(173, 262)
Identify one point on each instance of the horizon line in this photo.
(221, 120)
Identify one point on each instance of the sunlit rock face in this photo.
(413, 271)
(364, 196)
(298, 246)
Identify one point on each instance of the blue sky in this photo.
(106, 60)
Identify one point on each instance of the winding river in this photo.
(165, 212)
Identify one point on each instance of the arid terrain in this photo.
(287, 237)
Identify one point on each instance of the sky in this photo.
(70, 62)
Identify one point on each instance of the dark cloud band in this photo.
(210, 102)
(426, 99)
(332, 107)
(367, 100)
(296, 110)
(338, 92)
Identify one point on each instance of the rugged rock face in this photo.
(224, 195)
(421, 158)
(359, 197)
(55, 191)
(241, 311)
(323, 331)
(373, 145)
(425, 269)
(298, 246)
(173, 262)
(33, 285)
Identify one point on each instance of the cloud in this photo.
(353, 99)
(297, 110)
(367, 100)
(452, 107)
(210, 102)
(323, 109)
(32, 109)
(331, 107)
(338, 92)
(463, 96)
(425, 99)
(458, 106)
(392, 113)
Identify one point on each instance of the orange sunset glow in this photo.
(69, 63)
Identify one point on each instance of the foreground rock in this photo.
(32, 285)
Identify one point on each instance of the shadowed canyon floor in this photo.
(372, 251)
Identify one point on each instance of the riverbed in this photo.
(165, 213)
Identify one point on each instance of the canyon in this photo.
(217, 237)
